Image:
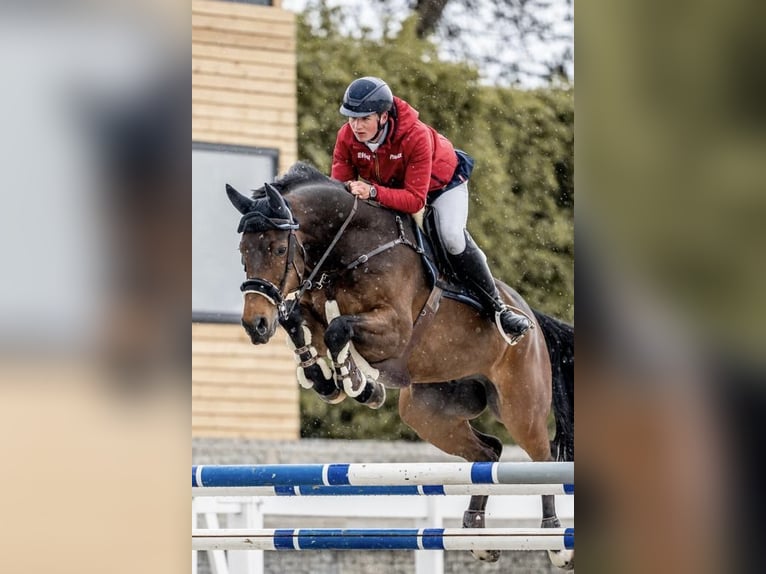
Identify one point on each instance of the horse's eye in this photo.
(281, 250)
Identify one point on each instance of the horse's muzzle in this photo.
(260, 330)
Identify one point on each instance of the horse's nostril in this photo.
(262, 326)
(258, 327)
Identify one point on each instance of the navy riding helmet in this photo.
(365, 96)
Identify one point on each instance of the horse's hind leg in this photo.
(525, 414)
(439, 413)
(474, 516)
(562, 558)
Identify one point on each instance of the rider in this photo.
(387, 154)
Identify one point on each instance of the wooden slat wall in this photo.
(243, 93)
(244, 76)
(242, 390)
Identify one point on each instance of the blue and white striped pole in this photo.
(383, 474)
(385, 539)
(373, 490)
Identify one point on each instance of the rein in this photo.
(308, 283)
(274, 294)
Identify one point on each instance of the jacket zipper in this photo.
(377, 167)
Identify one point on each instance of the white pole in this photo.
(250, 517)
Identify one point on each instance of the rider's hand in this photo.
(360, 189)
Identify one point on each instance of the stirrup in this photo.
(511, 340)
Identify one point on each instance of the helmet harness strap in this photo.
(381, 127)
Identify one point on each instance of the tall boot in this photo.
(472, 267)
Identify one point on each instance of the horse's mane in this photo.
(263, 214)
(299, 174)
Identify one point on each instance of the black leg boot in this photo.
(472, 266)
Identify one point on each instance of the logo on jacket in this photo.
(395, 156)
(362, 155)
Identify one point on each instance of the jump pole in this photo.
(383, 474)
(384, 539)
(372, 490)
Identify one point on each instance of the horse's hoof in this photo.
(338, 396)
(563, 559)
(475, 519)
(378, 397)
(486, 555)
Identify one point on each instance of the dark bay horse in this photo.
(358, 294)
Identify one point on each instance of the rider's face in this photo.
(366, 127)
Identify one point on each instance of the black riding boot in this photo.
(472, 267)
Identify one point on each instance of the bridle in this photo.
(277, 295)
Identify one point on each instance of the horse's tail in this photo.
(559, 337)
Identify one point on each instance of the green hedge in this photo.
(522, 188)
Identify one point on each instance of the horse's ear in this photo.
(242, 203)
(277, 202)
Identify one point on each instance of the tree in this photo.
(527, 41)
(511, 42)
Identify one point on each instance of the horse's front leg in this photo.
(313, 371)
(354, 374)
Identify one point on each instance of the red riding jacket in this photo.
(414, 160)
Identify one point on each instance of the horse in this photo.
(345, 278)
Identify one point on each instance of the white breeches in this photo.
(452, 214)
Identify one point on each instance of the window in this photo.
(216, 267)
